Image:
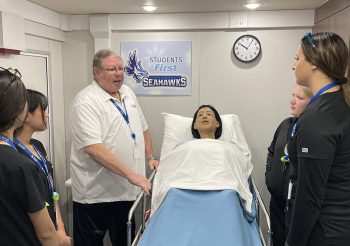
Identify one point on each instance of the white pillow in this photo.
(178, 129)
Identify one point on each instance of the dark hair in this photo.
(218, 131)
(329, 53)
(37, 99)
(13, 98)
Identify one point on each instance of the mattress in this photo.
(203, 218)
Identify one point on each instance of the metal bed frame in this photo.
(143, 197)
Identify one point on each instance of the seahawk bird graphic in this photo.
(134, 68)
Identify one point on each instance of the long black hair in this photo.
(218, 131)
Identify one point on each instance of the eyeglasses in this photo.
(14, 73)
(308, 36)
(113, 70)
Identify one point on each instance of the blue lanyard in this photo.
(7, 140)
(319, 93)
(125, 116)
(42, 165)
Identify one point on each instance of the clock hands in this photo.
(250, 44)
(243, 45)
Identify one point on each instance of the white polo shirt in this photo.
(95, 119)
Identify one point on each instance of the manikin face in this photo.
(298, 101)
(302, 68)
(36, 121)
(206, 121)
(111, 76)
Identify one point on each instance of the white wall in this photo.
(77, 54)
(258, 93)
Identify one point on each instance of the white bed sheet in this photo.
(203, 164)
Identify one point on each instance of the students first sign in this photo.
(158, 67)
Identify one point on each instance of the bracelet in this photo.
(152, 157)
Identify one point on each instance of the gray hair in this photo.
(102, 54)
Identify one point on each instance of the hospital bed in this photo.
(185, 212)
(143, 201)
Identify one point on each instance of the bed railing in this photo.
(260, 205)
(143, 197)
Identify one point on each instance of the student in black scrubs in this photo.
(319, 146)
(36, 121)
(277, 165)
(24, 219)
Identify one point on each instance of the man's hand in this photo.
(140, 181)
(153, 164)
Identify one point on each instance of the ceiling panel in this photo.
(167, 6)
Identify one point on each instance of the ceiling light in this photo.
(253, 5)
(149, 8)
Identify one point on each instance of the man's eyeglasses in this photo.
(308, 36)
(15, 74)
(114, 69)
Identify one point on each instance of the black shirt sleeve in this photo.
(29, 192)
(277, 171)
(271, 149)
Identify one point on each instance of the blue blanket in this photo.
(201, 218)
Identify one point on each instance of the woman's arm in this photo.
(44, 228)
(64, 240)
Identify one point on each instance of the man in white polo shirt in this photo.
(109, 143)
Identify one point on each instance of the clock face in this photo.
(247, 48)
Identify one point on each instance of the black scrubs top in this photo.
(21, 192)
(50, 205)
(319, 153)
(277, 172)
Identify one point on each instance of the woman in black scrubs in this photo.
(277, 165)
(24, 219)
(319, 146)
(36, 121)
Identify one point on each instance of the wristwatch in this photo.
(152, 157)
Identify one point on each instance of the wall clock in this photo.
(247, 48)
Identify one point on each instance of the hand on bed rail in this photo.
(140, 181)
(153, 164)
